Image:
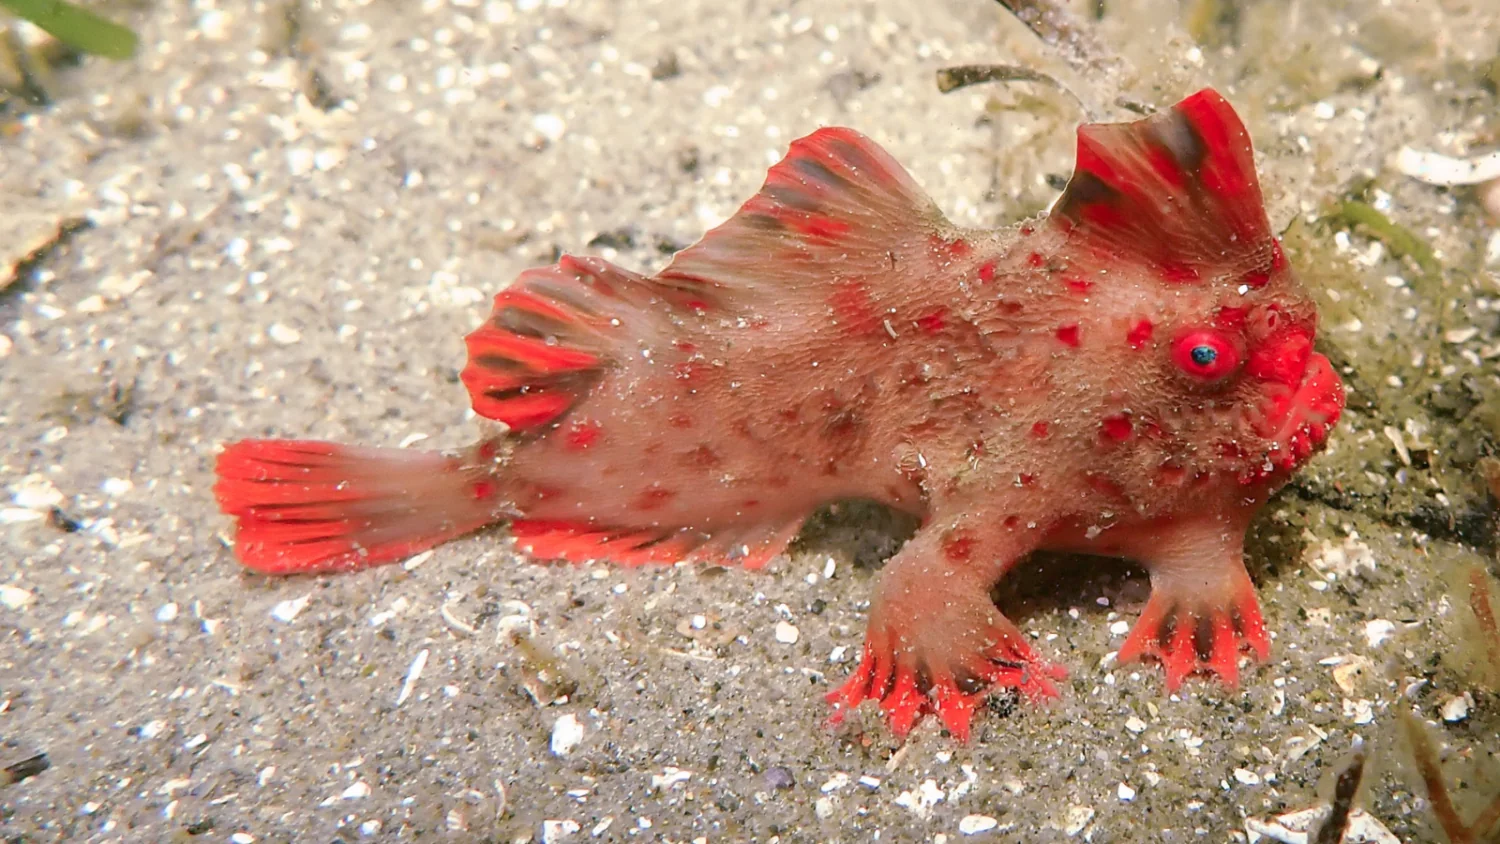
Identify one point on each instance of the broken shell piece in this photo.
(1436, 169)
(1299, 826)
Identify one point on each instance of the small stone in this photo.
(283, 334)
(6, 345)
(166, 612)
(358, 791)
(549, 126)
(1125, 793)
(1119, 628)
(670, 777)
(1078, 818)
(975, 824)
(554, 831)
(1245, 776)
(288, 610)
(780, 777)
(14, 597)
(115, 487)
(835, 782)
(1461, 335)
(787, 633)
(1135, 725)
(567, 733)
(242, 838)
(1456, 708)
(823, 808)
(35, 492)
(1378, 631)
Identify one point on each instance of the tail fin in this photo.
(307, 506)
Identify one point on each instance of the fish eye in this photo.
(1206, 354)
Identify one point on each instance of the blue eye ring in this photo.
(1204, 355)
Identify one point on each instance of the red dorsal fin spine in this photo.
(1176, 191)
(306, 507)
(836, 207)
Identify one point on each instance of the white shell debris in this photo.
(1297, 827)
(14, 597)
(358, 791)
(1378, 631)
(1135, 725)
(1437, 169)
(413, 674)
(1245, 776)
(567, 733)
(35, 492)
(921, 801)
(1078, 817)
(1456, 708)
(288, 610)
(669, 777)
(116, 487)
(284, 334)
(787, 633)
(975, 824)
(553, 831)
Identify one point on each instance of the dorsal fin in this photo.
(1176, 191)
(834, 208)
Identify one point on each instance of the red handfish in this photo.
(1131, 375)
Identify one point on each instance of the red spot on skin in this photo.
(1104, 486)
(934, 322)
(956, 248)
(987, 272)
(750, 503)
(1231, 317)
(1078, 285)
(760, 322)
(779, 481)
(853, 308)
(1068, 334)
(652, 449)
(1116, 429)
(1035, 259)
(488, 451)
(1177, 273)
(1139, 334)
(958, 546)
(1012, 521)
(680, 420)
(684, 346)
(653, 498)
(1040, 429)
(697, 306)
(701, 457)
(482, 490)
(1025, 479)
(1152, 431)
(582, 434)
(1168, 474)
(1027, 229)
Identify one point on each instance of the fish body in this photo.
(1131, 375)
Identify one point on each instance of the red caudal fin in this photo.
(1176, 191)
(306, 507)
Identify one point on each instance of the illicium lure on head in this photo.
(1132, 375)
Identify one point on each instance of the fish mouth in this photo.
(1297, 421)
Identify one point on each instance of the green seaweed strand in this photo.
(77, 27)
